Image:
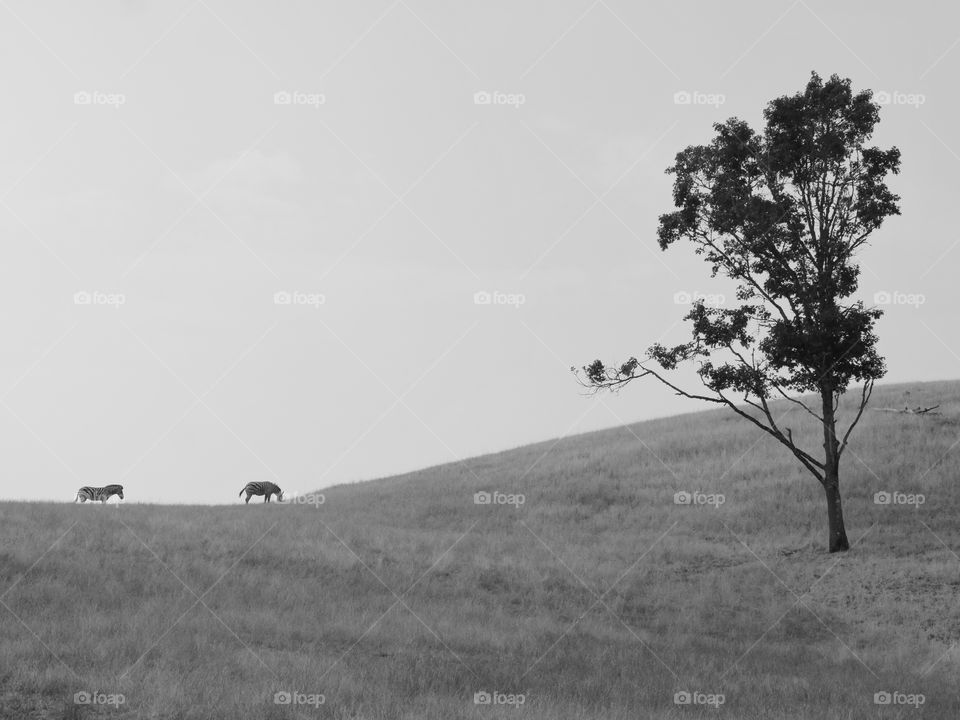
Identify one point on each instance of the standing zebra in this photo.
(262, 488)
(99, 493)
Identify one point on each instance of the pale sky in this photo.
(148, 161)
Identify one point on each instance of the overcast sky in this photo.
(169, 168)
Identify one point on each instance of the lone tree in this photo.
(784, 215)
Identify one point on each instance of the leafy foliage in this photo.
(783, 213)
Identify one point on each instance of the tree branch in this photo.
(864, 399)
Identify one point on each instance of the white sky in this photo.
(397, 199)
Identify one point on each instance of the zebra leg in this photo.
(248, 498)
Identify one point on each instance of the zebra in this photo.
(99, 493)
(262, 488)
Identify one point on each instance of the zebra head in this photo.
(120, 491)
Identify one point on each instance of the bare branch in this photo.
(864, 399)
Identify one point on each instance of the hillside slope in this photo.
(597, 596)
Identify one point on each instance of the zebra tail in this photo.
(241, 492)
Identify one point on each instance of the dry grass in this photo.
(597, 598)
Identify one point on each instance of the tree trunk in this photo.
(831, 477)
(838, 534)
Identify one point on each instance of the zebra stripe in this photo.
(99, 493)
(262, 488)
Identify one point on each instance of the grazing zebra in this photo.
(262, 488)
(101, 493)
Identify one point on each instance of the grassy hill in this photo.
(596, 597)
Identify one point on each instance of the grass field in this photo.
(596, 597)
